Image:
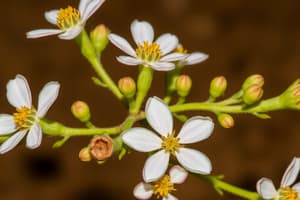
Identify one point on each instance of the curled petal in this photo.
(51, 16)
(71, 33)
(173, 57)
(141, 31)
(266, 189)
(34, 137)
(178, 174)
(194, 161)
(143, 191)
(122, 44)
(167, 42)
(156, 166)
(88, 8)
(291, 173)
(141, 139)
(195, 58)
(47, 97)
(159, 116)
(42, 33)
(11, 142)
(127, 60)
(7, 124)
(162, 66)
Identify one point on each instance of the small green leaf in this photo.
(61, 142)
(262, 115)
(98, 82)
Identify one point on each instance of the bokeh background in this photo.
(242, 38)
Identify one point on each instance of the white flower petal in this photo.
(89, 8)
(34, 137)
(143, 191)
(141, 31)
(7, 124)
(195, 58)
(173, 57)
(11, 142)
(18, 92)
(195, 129)
(71, 33)
(178, 174)
(47, 97)
(169, 197)
(156, 166)
(162, 66)
(51, 16)
(42, 33)
(266, 189)
(159, 116)
(297, 188)
(141, 139)
(291, 173)
(194, 161)
(122, 44)
(167, 42)
(82, 5)
(127, 60)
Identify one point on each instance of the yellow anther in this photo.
(67, 17)
(180, 49)
(163, 187)
(171, 143)
(24, 117)
(148, 51)
(287, 193)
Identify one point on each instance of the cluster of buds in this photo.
(217, 87)
(252, 89)
(290, 98)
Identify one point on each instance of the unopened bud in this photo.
(127, 86)
(84, 154)
(217, 86)
(183, 85)
(101, 147)
(226, 120)
(99, 37)
(81, 111)
(252, 94)
(291, 96)
(255, 79)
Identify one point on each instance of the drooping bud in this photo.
(101, 147)
(127, 86)
(84, 154)
(183, 85)
(255, 79)
(252, 94)
(226, 120)
(99, 37)
(81, 111)
(291, 96)
(217, 86)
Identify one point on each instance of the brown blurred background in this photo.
(241, 37)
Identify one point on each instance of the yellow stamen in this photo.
(288, 193)
(171, 143)
(180, 49)
(24, 117)
(67, 17)
(163, 187)
(149, 51)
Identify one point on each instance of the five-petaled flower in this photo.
(266, 189)
(162, 187)
(191, 58)
(26, 118)
(70, 21)
(160, 118)
(155, 54)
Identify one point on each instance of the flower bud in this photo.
(252, 94)
(99, 37)
(101, 147)
(127, 86)
(81, 111)
(291, 96)
(255, 79)
(183, 85)
(217, 86)
(84, 154)
(226, 120)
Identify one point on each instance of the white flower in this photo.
(70, 21)
(160, 118)
(266, 189)
(154, 54)
(26, 118)
(163, 187)
(191, 58)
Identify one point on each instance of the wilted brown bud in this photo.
(84, 154)
(101, 147)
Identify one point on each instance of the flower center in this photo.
(163, 187)
(24, 117)
(288, 193)
(67, 17)
(171, 143)
(148, 51)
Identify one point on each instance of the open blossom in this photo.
(160, 119)
(162, 187)
(26, 118)
(155, 54)
(70, 21)
(288, 190)
(191, 58)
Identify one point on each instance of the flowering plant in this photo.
(149, 125)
